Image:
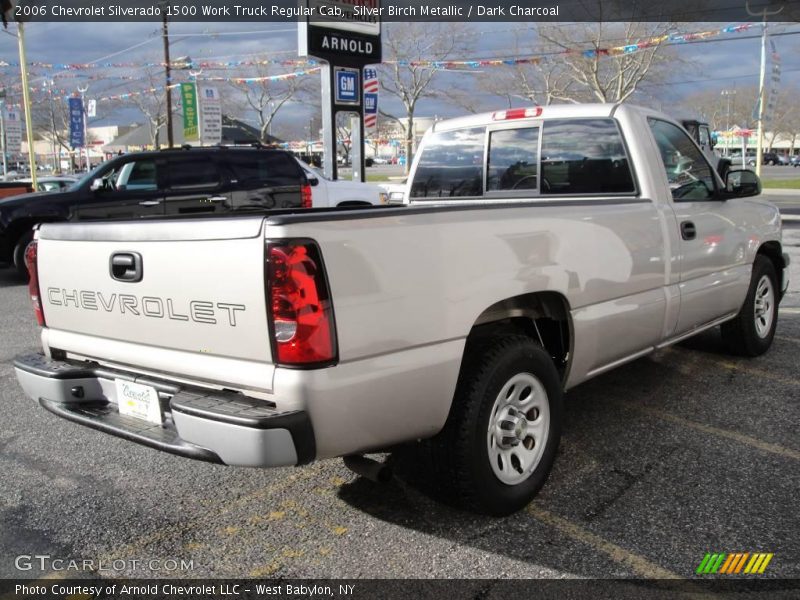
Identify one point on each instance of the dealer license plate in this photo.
(137, 400)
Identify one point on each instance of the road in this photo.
(677, 454)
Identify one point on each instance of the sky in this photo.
(728, 61)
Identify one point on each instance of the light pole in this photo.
(82, 91)
(763, 71)
(3, 131)
(728, 94)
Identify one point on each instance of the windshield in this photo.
(88, 177)
(312, 171)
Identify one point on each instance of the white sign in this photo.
(13, 126)
(358, 16)
(210, 116)
(91, 108)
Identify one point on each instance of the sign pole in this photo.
(347, 41)
(83, 91)
(329, 166)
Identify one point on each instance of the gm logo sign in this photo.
(347, 86)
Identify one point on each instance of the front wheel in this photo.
(751, 332)
(501, 437)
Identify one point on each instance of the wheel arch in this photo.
(543, 316)
(774, 252)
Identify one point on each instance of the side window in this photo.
(273, 169)
(193, 173)
(513, 160)
(689, 175)
(584, 156)
(451, 165)
(133, 176)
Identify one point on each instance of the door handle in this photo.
(688, 230)
(217, 198)
(149, 202)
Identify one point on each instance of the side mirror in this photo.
(97, 184)
(312, 181)
(742, 183)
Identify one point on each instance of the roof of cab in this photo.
(552, 111)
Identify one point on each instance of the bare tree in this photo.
(152, 104)
(594, 74)
(405, 44)
(265, 98)
(542, 81)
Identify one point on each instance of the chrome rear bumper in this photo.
(214, 426)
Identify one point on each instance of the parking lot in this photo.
(677, 454)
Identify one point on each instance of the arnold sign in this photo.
(343, 32)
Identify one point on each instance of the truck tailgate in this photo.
(190, 287)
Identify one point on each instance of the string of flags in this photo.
(248, 80)
(312, 66)
(190, 64)
(673, 38)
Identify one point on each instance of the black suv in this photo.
(167, 182)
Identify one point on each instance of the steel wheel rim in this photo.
(764, 306)
(519, 424)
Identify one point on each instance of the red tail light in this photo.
(32, 262)
(300, 307)
(305, 196)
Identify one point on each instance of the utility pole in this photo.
(26, 101)
(168, 72)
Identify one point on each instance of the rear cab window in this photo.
(524, 160)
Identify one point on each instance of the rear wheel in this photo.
(752, 331)
(500, 440)
(19, 254)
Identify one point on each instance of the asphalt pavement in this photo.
(681, 453)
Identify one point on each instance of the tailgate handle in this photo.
(126, 266)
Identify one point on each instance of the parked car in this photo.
(14, 188)
(170, 182)
(795, 160)
(527, 262)
(341, 192)
(395, 192)
(768, 158)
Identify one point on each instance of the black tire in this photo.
(459, 455)
(19, 255)
(741, 335)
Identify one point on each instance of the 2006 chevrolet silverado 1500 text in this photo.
(541, 247)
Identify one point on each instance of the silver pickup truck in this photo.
(541, 247)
